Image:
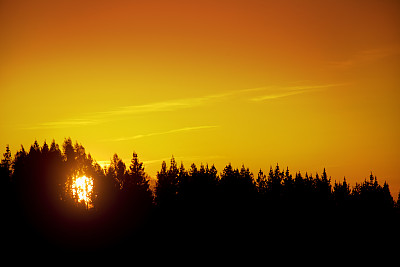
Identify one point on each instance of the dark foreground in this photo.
(177, 230)
(197, 210)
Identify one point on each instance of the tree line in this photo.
(36, 198)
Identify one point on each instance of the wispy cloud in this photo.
(169, 105)
(175, 104)
(63, 124)
(279, 92)
(275, 96)
(185, 129)
(365, 56)
(98, 117)
(117, 113)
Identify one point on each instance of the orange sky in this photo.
(307, 84)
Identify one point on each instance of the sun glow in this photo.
(82, 188)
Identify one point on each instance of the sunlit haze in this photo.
(306, 84)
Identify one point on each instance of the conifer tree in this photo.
(167, 184)
(6, 168)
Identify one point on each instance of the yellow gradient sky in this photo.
(306, 84)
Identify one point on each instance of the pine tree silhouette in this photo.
(187, 204)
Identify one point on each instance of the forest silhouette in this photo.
(186, 206)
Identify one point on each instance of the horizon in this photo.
(153, 178)
(305, 84)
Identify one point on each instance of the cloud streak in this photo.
(185, 129)
(175, 104)
(293, 90)
(154, 107)
(365, 56)
(95, 118)
(99, 117)
(63, 124)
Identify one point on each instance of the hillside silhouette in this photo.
(187, 206)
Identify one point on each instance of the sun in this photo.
(82, 189)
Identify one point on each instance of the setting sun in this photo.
(82, 189)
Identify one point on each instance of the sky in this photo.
(306, 84)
